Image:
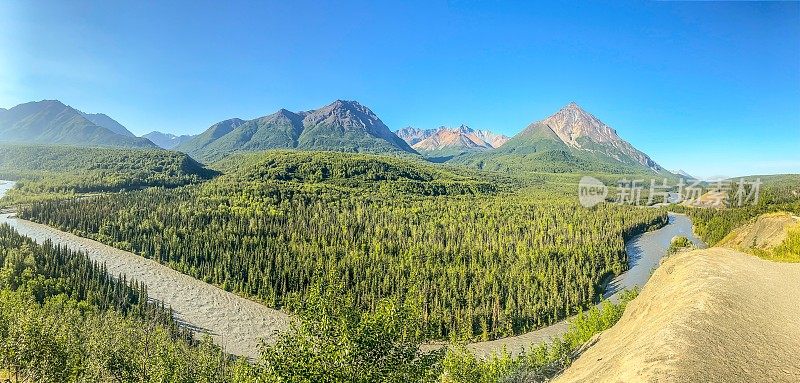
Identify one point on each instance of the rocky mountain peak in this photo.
(461, 137)
(348, 115)
(573, 122)
(412, 135)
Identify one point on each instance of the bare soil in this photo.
(712, 315)
(764, 233)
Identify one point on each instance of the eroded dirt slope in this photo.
(712, 315)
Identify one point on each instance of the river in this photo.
(645, 252)
(238, 323)
(5, 186)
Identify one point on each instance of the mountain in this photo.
(51, 122)
(166, 140)
(109, 123)
(462, 138)
(582, 130)
(683, 174)
(278, 130)
(569, 140)
(351, 127)
(345, 126)
(494, 139)
(202, 140)
(413, 135)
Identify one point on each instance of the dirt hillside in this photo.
(712, 315)
(764, 233)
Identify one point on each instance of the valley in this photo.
(645, 252)
(291, 240)
(399, 192)
(238, 325)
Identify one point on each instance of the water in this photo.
(5, 186)
(645, 252)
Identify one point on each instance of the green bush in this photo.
(540, 363)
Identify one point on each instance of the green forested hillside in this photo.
(47, 170)
(479, 265)
(64, 319)
(776, 193)
(364, 172)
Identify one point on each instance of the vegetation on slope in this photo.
(64, 319)
(362, 172)
(335, 341)
(787, 251)
(541, 362)
(49, 171)
(483, 266)
(773, 236)
(679, 243)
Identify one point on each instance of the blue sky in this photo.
(712, 88)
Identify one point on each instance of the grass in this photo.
(788, 251)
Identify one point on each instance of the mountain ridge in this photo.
(569, 140)
(339, 126)
(572, 123)
(52, 122)
(167, 140)
(453, 139)
(101, 119)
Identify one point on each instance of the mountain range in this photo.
(52, 122)
(569, 140)
(167, 140)
(683, 174)
(340, 126)
(109, 123)
(445, 140)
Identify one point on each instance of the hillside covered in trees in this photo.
(42, 171)
(776, 193)
(354, 172)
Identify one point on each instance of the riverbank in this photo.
(235, 323)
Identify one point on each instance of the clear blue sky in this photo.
(712, 88)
